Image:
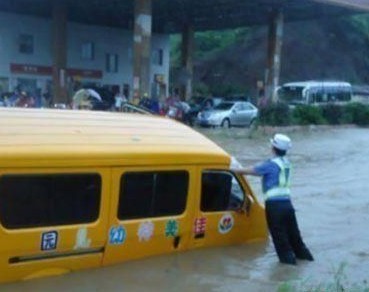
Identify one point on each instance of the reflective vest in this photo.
(283, 188)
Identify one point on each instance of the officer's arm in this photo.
(245, 171)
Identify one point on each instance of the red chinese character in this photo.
(200, 225)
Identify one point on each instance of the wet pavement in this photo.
(330, 194)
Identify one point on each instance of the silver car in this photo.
(229, 113)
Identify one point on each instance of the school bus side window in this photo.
(220, 191)
(152, 194)
(39, 200)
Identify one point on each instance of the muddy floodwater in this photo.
(331, 196)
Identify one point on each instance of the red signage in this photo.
(85, 73)
(30, 69)
(47, 70)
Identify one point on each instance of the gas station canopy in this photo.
(170, 16)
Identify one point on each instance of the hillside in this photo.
(233, 61)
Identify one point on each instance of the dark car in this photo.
(200, 103)
(107, 99)
(99, 105)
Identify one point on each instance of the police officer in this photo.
(280, 214)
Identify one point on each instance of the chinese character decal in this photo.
(145, 231)
(49, 240)
(82, 240)
(200, 226)
(171, 228)
(117, 235)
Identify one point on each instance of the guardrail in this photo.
(132, 108)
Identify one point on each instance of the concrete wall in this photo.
(106, 40)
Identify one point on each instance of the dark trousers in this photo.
(285, 233)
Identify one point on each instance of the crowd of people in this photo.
(173, 106)
(19, 98)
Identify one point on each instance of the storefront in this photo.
(33, 79)
(36, 80)
(4, 85)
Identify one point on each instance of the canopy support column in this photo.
(142, 47)
(59, 49)
(187, 60)
(275, 41)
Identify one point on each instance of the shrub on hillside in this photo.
(333, 114)
(201, 89)
(308, 115)
(356, 113)
(275, 114)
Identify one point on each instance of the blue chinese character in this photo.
(117, 235)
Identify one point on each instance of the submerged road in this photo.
(330, 194)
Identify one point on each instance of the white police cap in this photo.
(281, 142)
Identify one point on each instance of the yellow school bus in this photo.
(82, 189)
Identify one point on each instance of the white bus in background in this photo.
(315, 92)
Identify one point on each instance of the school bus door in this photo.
(52, 221)
(220, 219)
(150, 212)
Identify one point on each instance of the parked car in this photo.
(200, 103)
(229, 113)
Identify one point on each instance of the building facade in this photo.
(99, 56)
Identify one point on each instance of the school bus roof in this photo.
(47, 137)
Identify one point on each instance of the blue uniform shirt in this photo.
(270, 174)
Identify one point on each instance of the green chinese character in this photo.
(171, 229)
